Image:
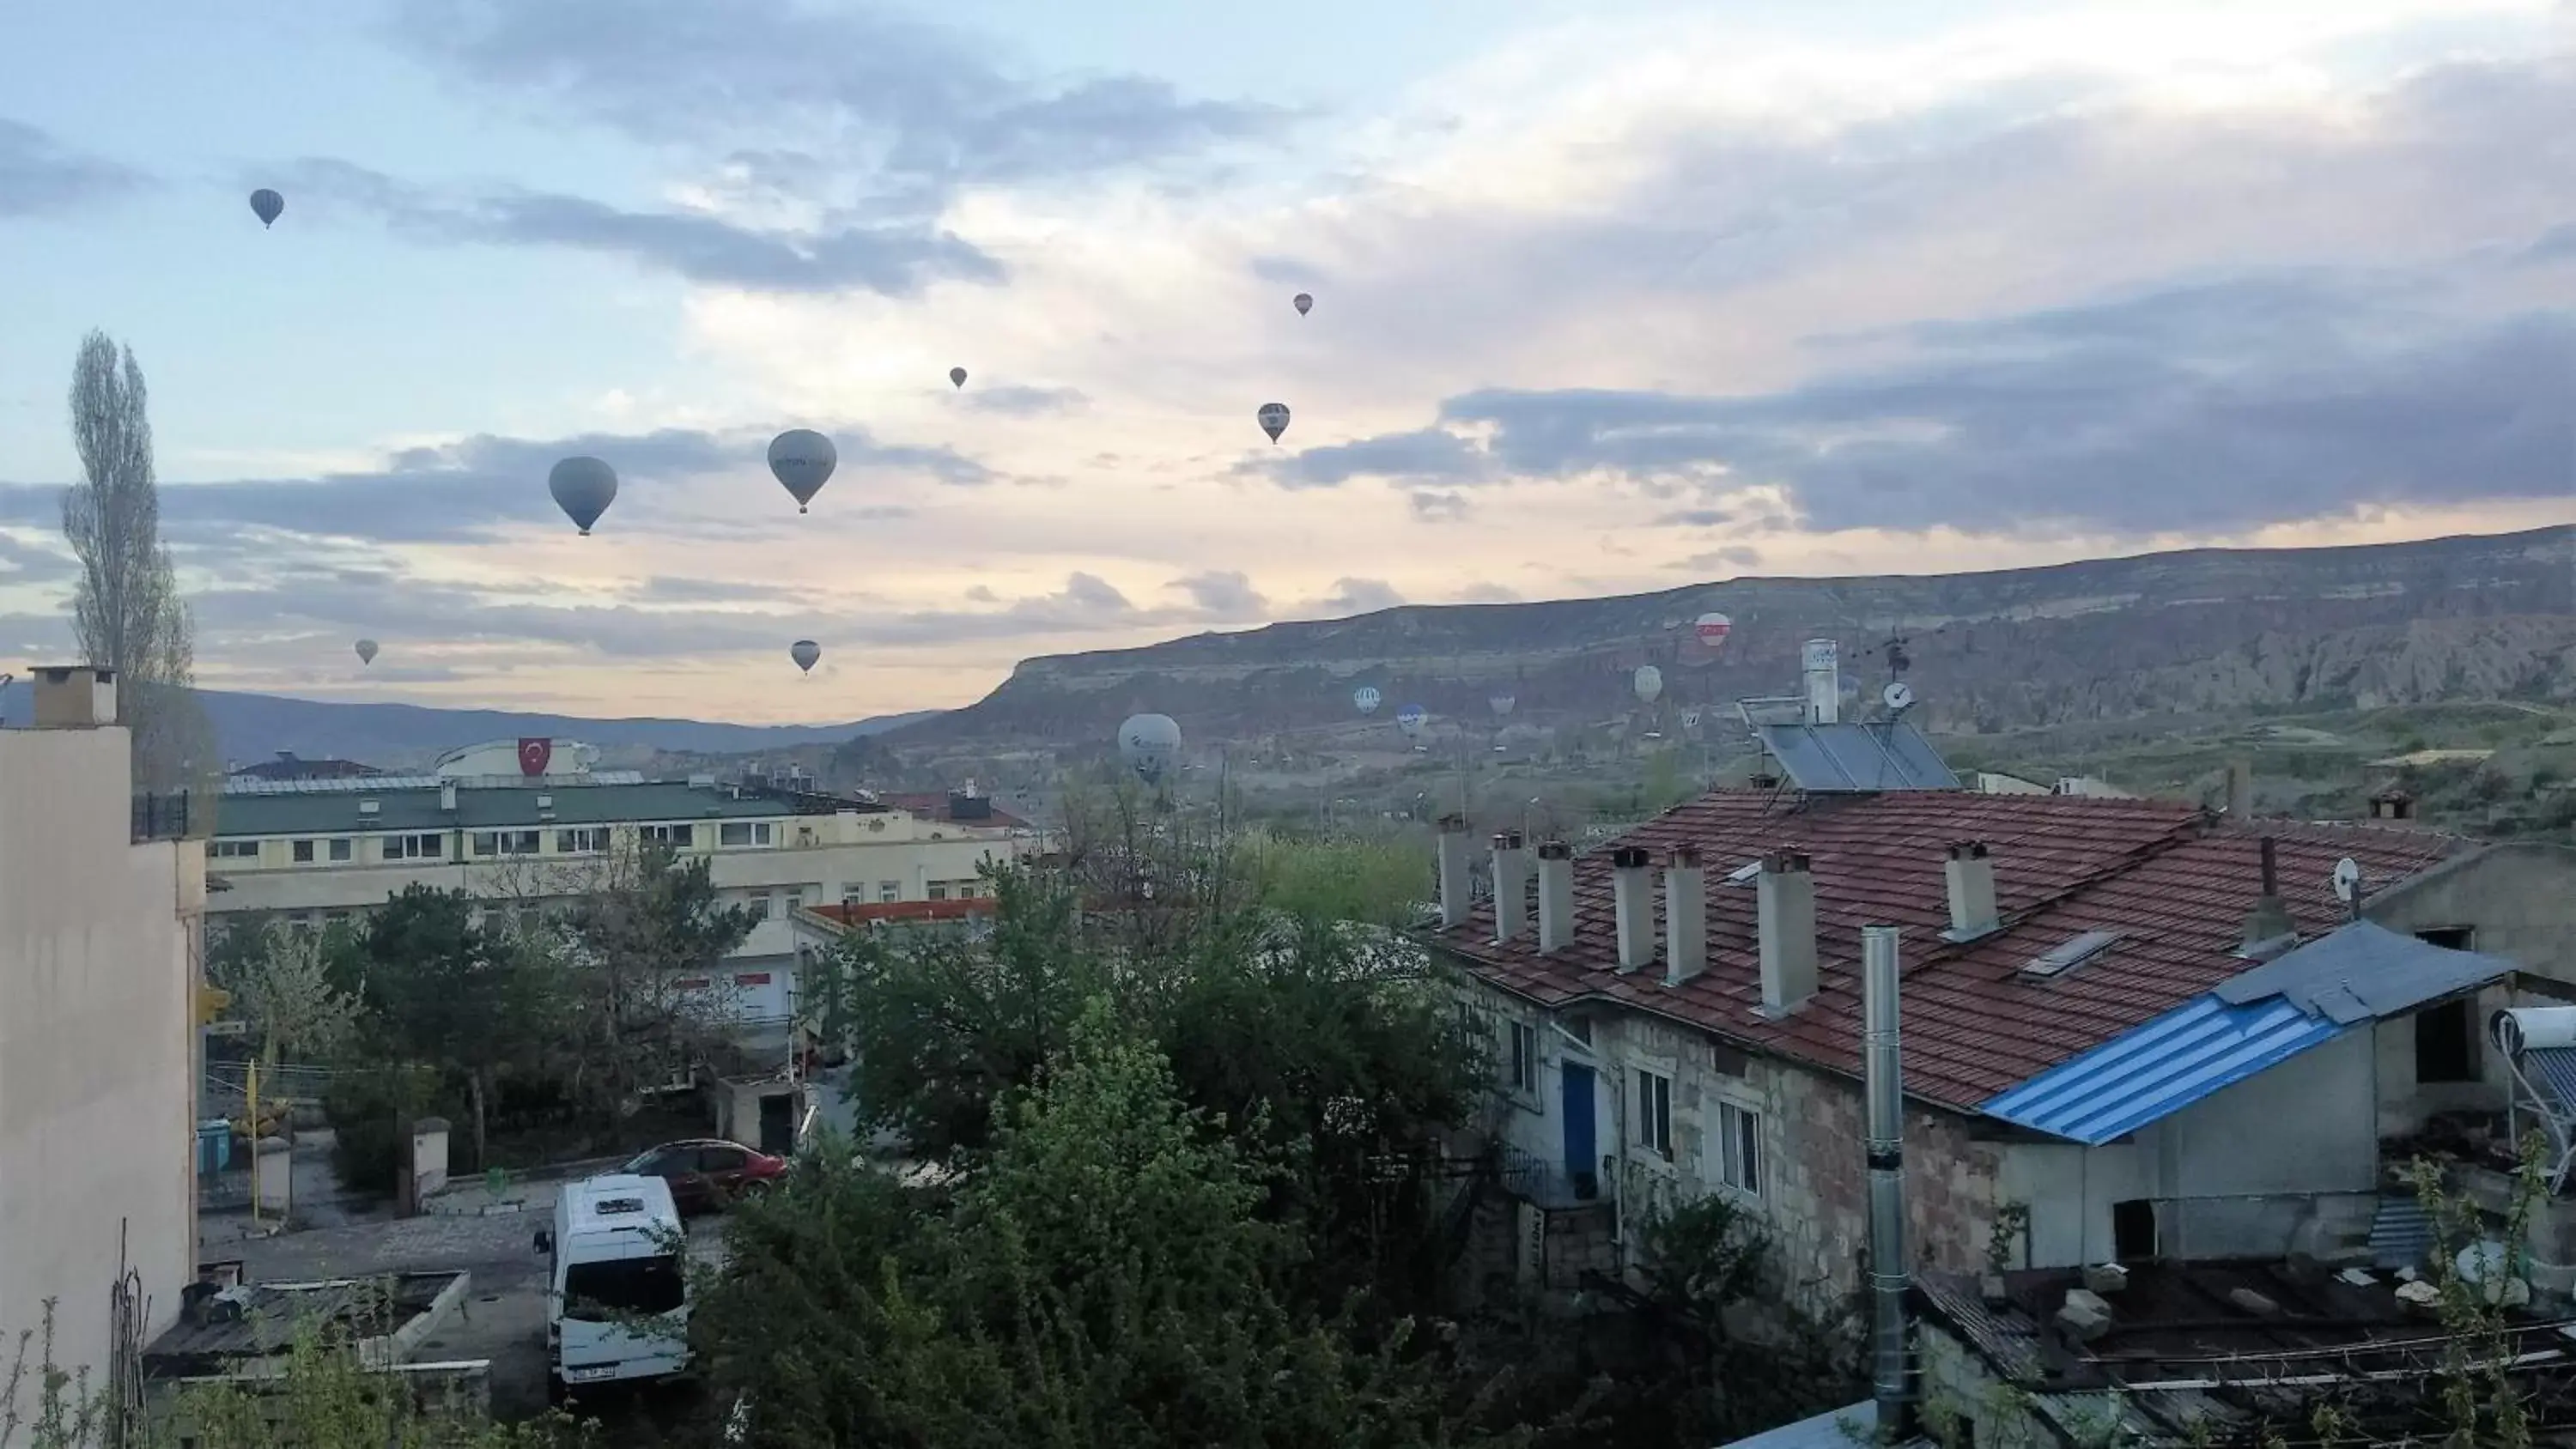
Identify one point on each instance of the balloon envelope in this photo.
(1502, 704)
(1713, 629)
(366, 651)
(267, 205)
(1149, 743)
(1305, 303)
(805, 652)
(1274, 419)
(1411, 719)
(583, 489)
(1367, 698)
(957, 375)
(1650, 682)
(803, 460)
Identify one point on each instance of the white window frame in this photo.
(727, 829)
(679, 835)
(1521, 1060)
(1737, 1163)
(302, 852)
(415, 845)
(581, 840)
(939, 890)
(889, 892)
(1653, 1105)
(341, 850)
(232, 850)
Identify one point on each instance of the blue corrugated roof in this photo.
(2161, 1067)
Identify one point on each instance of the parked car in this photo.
(708, 1174)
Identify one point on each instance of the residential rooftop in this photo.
(421, 806)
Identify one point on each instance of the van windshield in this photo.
(602, 1292)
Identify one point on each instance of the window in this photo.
(1655, 1114)
(795, 900)
(506, 842)
(939, 890)
(588, 840)
(1738, 1157)
(600, 1292)
(340, 849)
(759, 904)
(678, 837)
(743, 832)
(413, 847)
(304, 852)
(2446, 1043)
(723, 1159)
(1524, 1058)
(889, 891)
(751, 978)
(852, 896)
(233, 849)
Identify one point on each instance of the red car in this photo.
(707, 1174)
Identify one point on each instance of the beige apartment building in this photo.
(315, 851)
(100, 936)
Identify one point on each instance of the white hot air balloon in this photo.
(1274, 419)
(583, 489)
(1713, 630)
(1149, 743)
(802, 460)
(366, 651)
(1412, 719)
(805, 652)
(1502, 704)
(1366, 699)
(1650, 683)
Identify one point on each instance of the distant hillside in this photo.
(257, 726)
(2204, 630)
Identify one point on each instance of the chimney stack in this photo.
(1454, 891)
(1883, 1087)
(1632, 902)
(1785, 913)
(1555, 896)
(74, 696)
(1971, 873)
(1685, 916)
(1820, 661)
(1511, 886)
(2240, 789)
(2268, 926)
(447, 796)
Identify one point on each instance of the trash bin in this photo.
(214, 1145)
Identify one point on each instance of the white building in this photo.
(98, 950)
(316, 851)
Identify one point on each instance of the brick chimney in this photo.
(1685, 916)
(1555, 896)
(1785, 915)
(2240, 789)
(1971, 874)
(1455, 891)
(2269, 927)
(1632, 902)
(1511, 886)
(74, 696)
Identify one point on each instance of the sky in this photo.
(1609, 297)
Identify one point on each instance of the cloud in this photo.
(1489, 593)
(1024, 402)
(1425, 454)
(917, 108)
(39, 174)
(2558, 244)
(1223, 594)
(1354, 596)
(896, 260)
(1734, 556)
(1439, 507)
(1694, 518)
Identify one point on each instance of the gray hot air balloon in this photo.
(1274, 419)
(583, 489)
(1367, 698)
(366, 651)
(805, 652)
(1650, 683)
(1502, 704)
(957, 375)
(1149, 743)
(1305, 303)
(803, 460)
(1412, 719)
(267, 205)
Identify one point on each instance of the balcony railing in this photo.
(161, 817)
(1544, 1184)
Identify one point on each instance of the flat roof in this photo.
(490, 808)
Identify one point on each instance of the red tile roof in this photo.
(873, 911)
(2175, 882)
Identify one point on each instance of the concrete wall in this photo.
(97, 1042)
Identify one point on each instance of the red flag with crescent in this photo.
(534, 755)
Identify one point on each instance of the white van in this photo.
(617, 1292)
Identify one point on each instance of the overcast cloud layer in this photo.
(1602, 307)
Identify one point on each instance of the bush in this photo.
(366, 1110)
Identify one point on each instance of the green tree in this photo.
(454, 997)
(652, 923)
(283, 985)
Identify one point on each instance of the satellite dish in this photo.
(2347, 880)
(1899, 696)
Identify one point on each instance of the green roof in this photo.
(485, 808)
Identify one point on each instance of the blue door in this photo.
(1581, 1157)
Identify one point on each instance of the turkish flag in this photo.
(533, 755)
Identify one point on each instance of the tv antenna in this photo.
(2347, 885)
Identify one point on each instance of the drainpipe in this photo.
(1883, 1085)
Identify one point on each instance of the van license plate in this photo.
(590, 1375)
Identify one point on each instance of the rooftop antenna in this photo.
(2347, 885)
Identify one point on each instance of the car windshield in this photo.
(602, 1292)
(647, 1164)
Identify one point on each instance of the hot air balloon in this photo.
(1274, 419)
(1411, 719)
(1712, 630)
(366, 651)
(268, 206)
(803, 460)
(1149, 743)
(1502, 704)
(805, 652)
(583, 489)
(1367, 698)
(957, 375)
(1650, 683)
(1305, 303)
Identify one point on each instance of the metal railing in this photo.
(1541, 1183)
(161, 817)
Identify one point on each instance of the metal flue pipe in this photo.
(1883, 1086)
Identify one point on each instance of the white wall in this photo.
(97, 1043)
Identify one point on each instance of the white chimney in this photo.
(1454, 892)
(1883, 1092)
(1785, 915)
(1632, 903)
(74, 696)
(1824, 681)
(1511, 886)
(1685, 916)
(447, 796)
(1971, 873)
(1555, 896)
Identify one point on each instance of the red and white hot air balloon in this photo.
(1712, 630)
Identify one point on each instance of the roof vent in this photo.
(702, 782)
(545, 802)
(2066, 955)
(1744, 874)
(366, 807)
